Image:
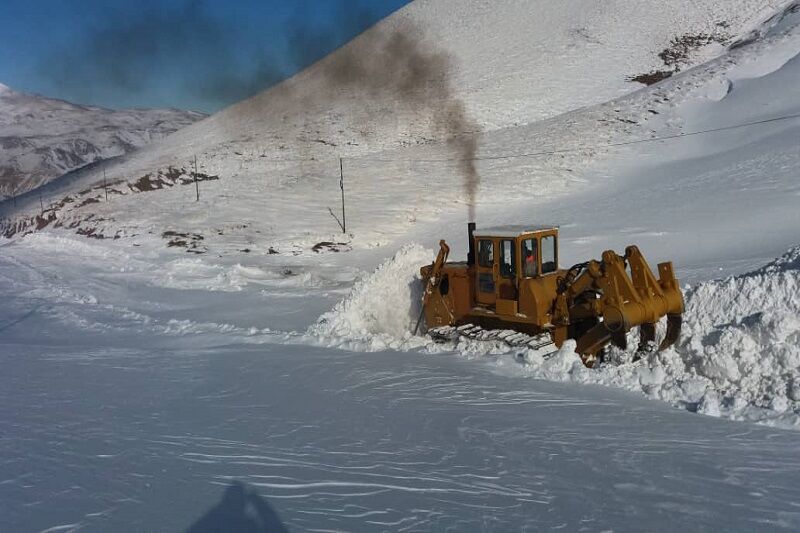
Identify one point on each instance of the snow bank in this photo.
(739, 355)
(744, 334)
(382, 308)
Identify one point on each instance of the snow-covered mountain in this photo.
(43, 138)
(513, 65)
(245, 338)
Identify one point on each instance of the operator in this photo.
(530, 263)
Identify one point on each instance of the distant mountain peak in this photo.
(43, 138)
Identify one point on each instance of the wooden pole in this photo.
(105, 187)
(41, 204)
(341, 186)
(196, 186)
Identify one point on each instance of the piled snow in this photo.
(739, 355)
(382, 309)
(361, 432)
(744, 334)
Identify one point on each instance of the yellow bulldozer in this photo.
(511, 289)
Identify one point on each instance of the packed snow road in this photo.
(129, 406)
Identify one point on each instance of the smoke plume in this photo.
(395, 65)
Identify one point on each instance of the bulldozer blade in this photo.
(647, 337)
(592, 341)
(674, 323)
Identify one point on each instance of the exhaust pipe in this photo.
(471, 242)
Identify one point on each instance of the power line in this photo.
(540, 153)
(528, 154)
(587, 147)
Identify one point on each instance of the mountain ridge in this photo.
(43, 138)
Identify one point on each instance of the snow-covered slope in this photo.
(285, 143)
(43, 138)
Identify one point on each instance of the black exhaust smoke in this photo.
(398, 65)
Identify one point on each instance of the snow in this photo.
(521, 41)
(142, 380)
(136, 406)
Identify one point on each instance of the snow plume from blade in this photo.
(381, 310)
(397, 65)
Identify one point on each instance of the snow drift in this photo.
(739, 356)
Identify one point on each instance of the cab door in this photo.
(506, 278)
(486, 271)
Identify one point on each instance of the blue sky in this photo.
(193, 54)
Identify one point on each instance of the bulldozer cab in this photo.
(510, 260)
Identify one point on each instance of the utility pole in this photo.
(105, 187)
(196, 186)
(341, 186)
(342, 223)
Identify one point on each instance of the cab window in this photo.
(549, 258)
(529, 263)
(507, 259)
(485, 253)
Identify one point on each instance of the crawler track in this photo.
(512, 338)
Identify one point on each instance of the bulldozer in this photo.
(511, 289)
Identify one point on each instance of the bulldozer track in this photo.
(511, 338)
